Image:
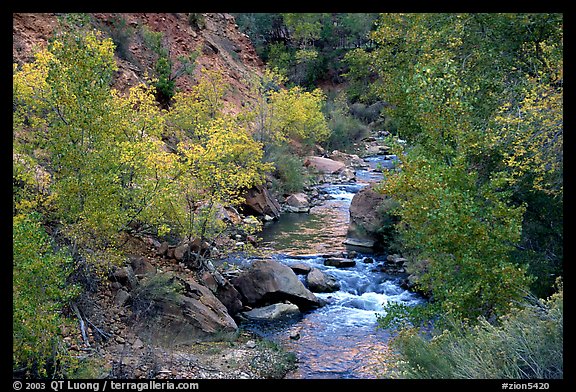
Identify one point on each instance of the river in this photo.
(340, 339)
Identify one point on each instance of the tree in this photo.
(456, 84)
(40, 293)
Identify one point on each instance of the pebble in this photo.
(120, 339)
(251, 344)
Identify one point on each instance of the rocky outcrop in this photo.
(370, 223)
(259, 201)
(268, 281)
(320, 282)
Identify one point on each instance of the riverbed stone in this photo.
(300, 268)
(339, 262)
(272, 312)
(371, 225)
(297, 202)
(321, 282)
(268, 281)
(324, 165)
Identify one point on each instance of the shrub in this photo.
(526, 344)
(39, 294)
(288, 173)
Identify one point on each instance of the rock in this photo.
(125, 276)
(350, 160)
(180, 252)
(121, 298)
(294, 335)
(195, 314)
(368, 260)
(259, 201)
(370, 223)
(352, 254)
(300, 268)
(324, 165)
(268, 281)
(299, 202)
(142, 266)
(339, 262)
(365, 243)
(120, 340)
(272, 312)
(251, 344)
(162, 249)
(138, 344)
(320, 282)
(229, 296)
(209, 281)
(346, 175)
(396, 260)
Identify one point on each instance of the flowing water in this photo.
(340, 339)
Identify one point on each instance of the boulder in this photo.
(121, 297)
(195, 314)
(324, 165)
(259, 201)
(339, 262)
(350, 160)
(125, 276)
(297, 202)
(162, 249)
(230, 297)
(396, 260)
(320, 282)
(347, 175)
(370, 223)
(300, 268)
(268, 281)
(272, 312)
(142, 266)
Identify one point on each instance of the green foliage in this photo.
(525, 344)
(40, 293)
(307, 47)
(281, 115)
(466, 233)
(280, 58)
(345, 130)
(165, 72)
(480, 97)
(196, 20)
(289, 173)
(64, 107)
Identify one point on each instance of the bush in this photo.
(345, 131)
(39, 294)
(288, 171)
(526, 344)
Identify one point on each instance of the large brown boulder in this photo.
(371, 224)
(268, 281)
(324, 165)
(194, 314)
(259, 201)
